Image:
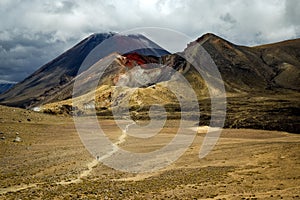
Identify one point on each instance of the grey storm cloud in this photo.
(33, 32)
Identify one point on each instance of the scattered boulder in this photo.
(17, 139)
(3, 138)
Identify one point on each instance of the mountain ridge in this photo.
(263, 68)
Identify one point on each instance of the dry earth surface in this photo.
(51, 163)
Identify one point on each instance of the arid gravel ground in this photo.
(51, 163)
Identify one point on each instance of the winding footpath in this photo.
(82, 175)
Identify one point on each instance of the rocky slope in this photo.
(261, 68)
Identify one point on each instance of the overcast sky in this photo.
(33, 32)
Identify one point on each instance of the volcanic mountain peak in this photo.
(53, 76)
(95, 38)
